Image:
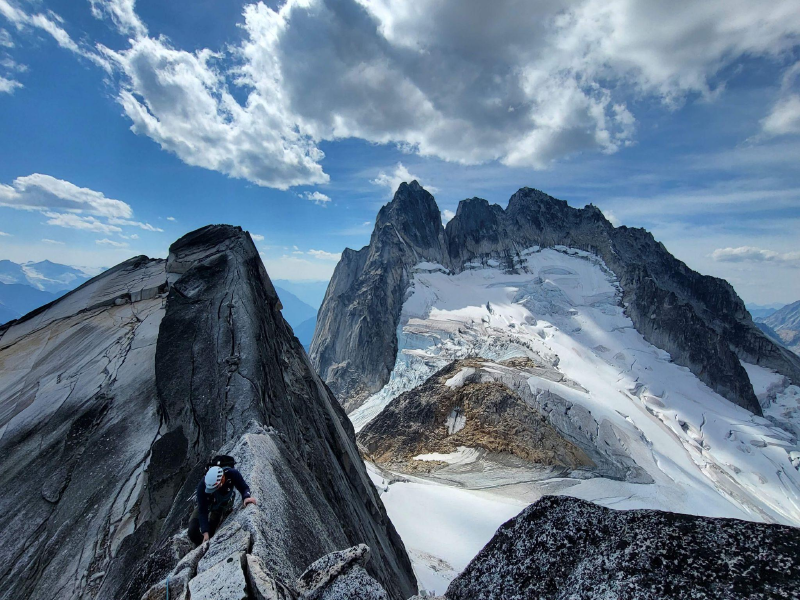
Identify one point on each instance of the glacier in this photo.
(706, 456)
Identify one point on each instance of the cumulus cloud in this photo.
(256, 237)
(322, 255)
(170, 218)
(751, 254)
(180, 100)
(4, 234)
(393, 179)
(447, 215)
(317, 198)
(511, 81)
(37, 191)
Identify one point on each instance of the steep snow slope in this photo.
(705, 456)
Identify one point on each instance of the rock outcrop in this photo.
(562, 547)
(113, 398)
(698, 319)
(477, 415)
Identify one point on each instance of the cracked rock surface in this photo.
(113, 398)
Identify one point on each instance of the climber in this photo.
(215, 497)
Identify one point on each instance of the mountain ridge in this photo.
(698, 319)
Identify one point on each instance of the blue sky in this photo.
(124, 125)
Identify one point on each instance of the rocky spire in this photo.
(698, 319)
(355, 342)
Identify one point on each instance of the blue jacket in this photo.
(222, 498)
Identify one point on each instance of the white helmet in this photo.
(213, 479)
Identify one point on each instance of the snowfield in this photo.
(706, 455)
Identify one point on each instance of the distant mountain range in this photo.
(44, 275)
(27, 286)
(301, 316)
(785, 323)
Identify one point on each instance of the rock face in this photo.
(563, 547)
(698, 319)
(473, 411)
(113, 398)
(786, 324)
(355, 341)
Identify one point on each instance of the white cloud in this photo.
(447, 215)
(181, 100)
(256, 237)
(5, 39)
(4, 234)
(170, 218)
(73, 221)
(37, 192)
(49, 23)
(129, 223)
(511, 81)
(393, 179)
(751, 254)
(49, 241)
(122, 14)
(317, 198)
(107, 242)
(784, 118)
(322, 255)
(7, 86)
(612, 218)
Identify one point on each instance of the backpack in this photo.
(221, 460)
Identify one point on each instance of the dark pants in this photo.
(214, 519)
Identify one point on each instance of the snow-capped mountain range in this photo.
(656, 372)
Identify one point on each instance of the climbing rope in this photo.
(167, 587)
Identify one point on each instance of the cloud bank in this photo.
(521, 83)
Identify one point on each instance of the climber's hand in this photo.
(205, 537)
(249, 501)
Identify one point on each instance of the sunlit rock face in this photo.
(113, 398)
(698, 319)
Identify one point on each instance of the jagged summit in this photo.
(113, 397)
(698, 319)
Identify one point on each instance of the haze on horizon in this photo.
(125, 124)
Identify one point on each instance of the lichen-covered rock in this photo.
(178, 579)
(224, 581)
(562, 547)
(352, 584)
(330, 566)
(264, 586)
(227, 541)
